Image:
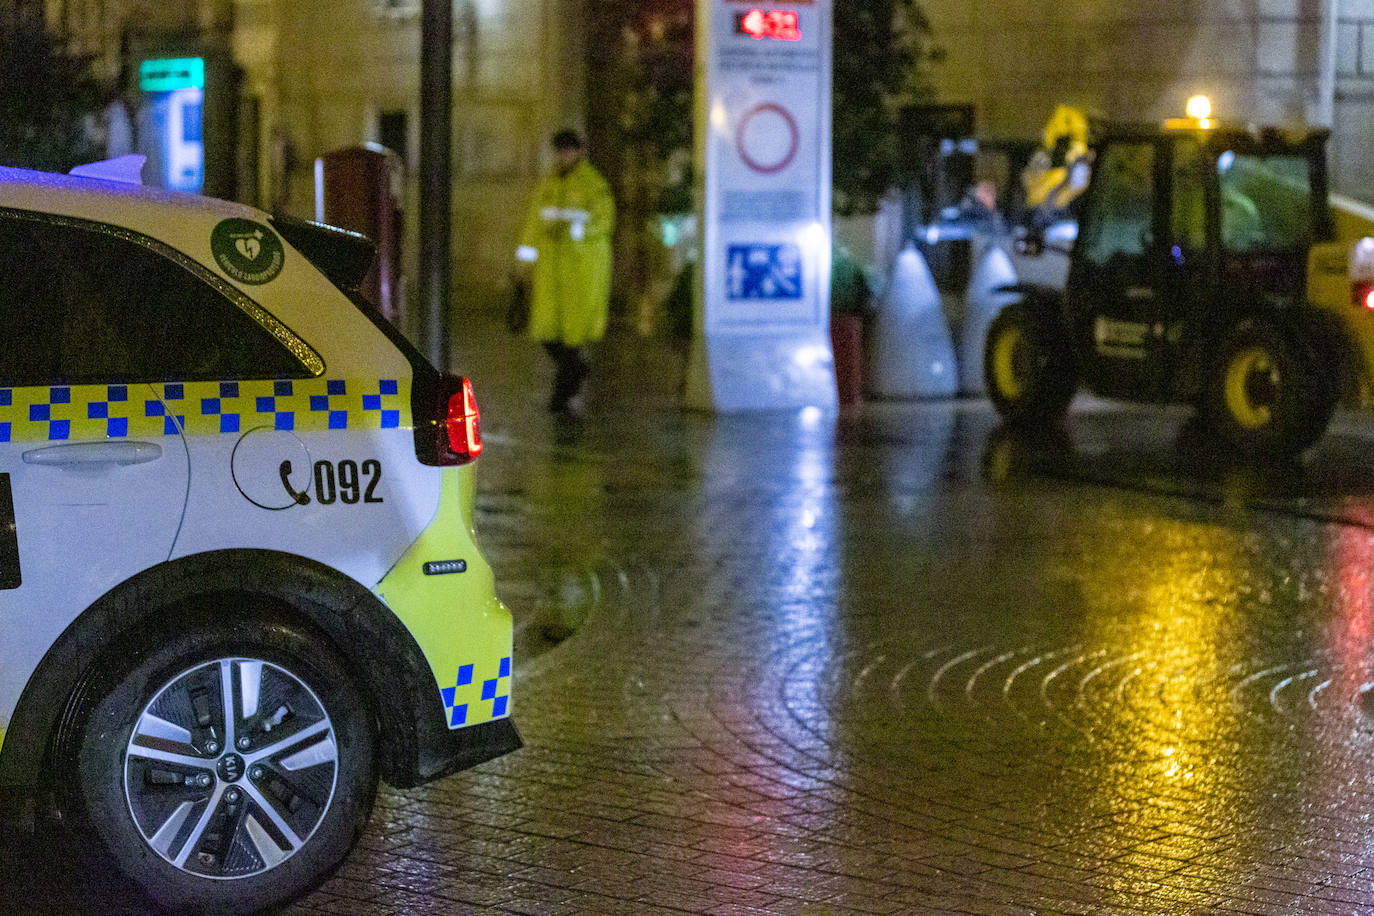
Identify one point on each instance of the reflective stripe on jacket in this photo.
(568, 236)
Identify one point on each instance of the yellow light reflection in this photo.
(1164, 724)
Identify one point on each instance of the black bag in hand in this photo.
(518, 308)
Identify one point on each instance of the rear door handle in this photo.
(1139, 293)
(88, 453)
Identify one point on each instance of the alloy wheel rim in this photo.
(231, 796)
(1251, 386)
(1008, 359)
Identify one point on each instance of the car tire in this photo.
(1270, 395)
(1028, 366)
(205, 817)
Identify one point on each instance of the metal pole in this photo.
(436, 179)
(1326, 80)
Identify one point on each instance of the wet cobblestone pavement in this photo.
(900, 661)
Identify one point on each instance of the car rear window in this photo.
(86, 303)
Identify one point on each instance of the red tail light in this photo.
(464, 423)
(1363, 294)
(453, 434)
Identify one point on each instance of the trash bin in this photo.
(846, 342)
(851, 302)
(359, 188)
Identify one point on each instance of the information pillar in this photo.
(761, 338)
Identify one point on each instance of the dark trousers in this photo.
(570, 371)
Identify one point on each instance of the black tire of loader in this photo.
(1046, 366)
(1306, 395)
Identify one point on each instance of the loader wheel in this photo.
(1028, 366)
(1270, 394)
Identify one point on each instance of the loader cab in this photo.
(1183, 231)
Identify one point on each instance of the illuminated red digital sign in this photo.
(776, 25)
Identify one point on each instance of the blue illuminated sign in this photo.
(764, 272)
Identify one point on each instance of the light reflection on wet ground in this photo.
(904, 661)
(1104, 670)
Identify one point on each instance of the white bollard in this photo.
(913, 356)
(993, 270)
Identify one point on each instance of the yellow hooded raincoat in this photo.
(568, 237)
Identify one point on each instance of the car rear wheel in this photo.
(1270, 394)
(1028, 366)
(227, 768)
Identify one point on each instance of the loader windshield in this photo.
(1266, 201)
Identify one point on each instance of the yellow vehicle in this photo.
(1210, 268)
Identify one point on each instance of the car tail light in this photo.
(464, 423)
(452, 433)
(1362, 274)
(1363, 296)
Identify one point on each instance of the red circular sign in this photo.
(794, 141)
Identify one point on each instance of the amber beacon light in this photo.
(1199, 108)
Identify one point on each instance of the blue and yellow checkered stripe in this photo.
(473, 700)
(82, 412)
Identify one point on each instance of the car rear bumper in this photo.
(444, 593)
(441, 752)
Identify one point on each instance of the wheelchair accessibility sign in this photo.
(764, 272)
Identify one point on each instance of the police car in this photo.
(238, 575)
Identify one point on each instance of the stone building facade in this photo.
(106, 29)
(288, 80)
(1260, 60)
(323, 74)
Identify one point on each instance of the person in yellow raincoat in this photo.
(566, 256)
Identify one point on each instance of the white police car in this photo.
(238, 579)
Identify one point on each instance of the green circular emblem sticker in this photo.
(247, 251)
